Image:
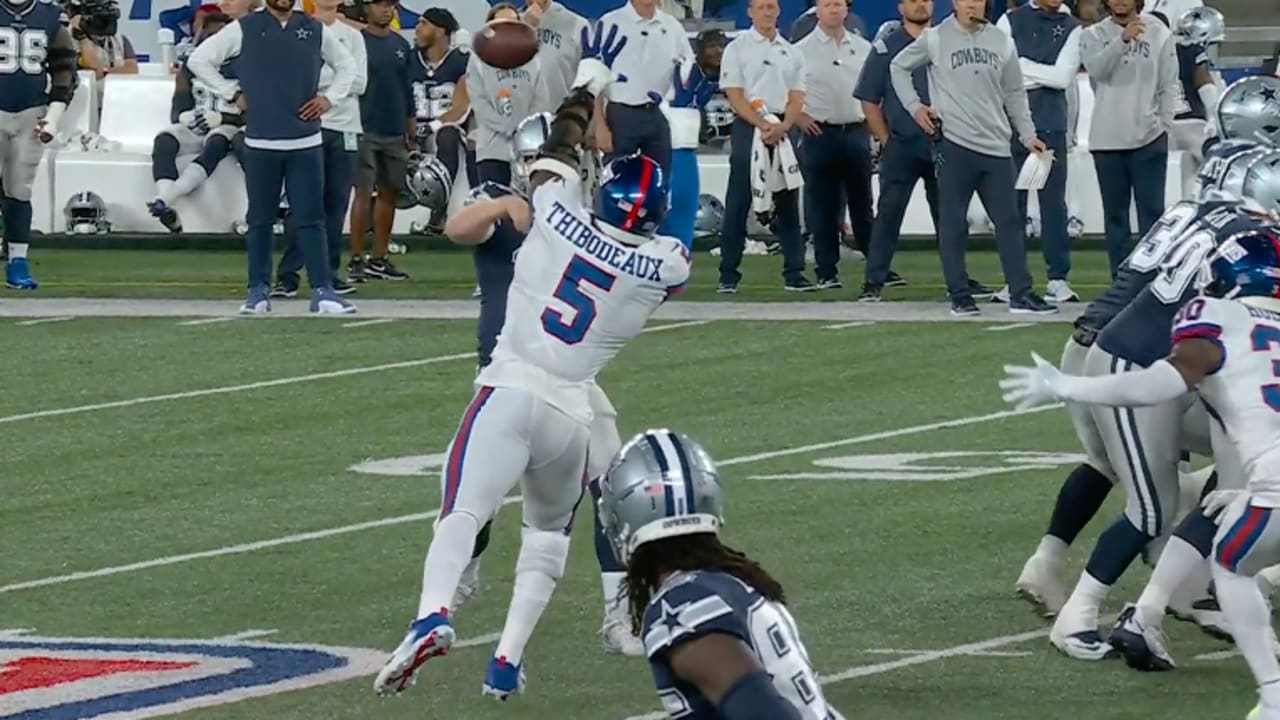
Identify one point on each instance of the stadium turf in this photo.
(169, 480)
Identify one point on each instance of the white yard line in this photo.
(1010, 326)
(979, 653)
(1219, 655)
(45, 321)
(14, 632)
(208, 321)
(842, 326)
(674, 325)
(246, 635)
(367, 323)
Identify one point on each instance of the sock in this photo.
(17, 220)
(447, 557)
(1054, 550)
(17, 251)
(1178, 562)
(190, 179)
(164, 190)
(1082, 494)
(541, 564)
(1250, 622)
(1115, 551)
(611, 583)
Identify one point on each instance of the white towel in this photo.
(772, 170)
(1035, 171)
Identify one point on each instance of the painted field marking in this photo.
(675, 325)
(842, 326)
(1010, 326)
(1219, 655)
(246, 635)
(367, 323)
(45, 321)
(12, 632)
(208, 321)
(980, 653)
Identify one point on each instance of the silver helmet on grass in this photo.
(710, 217)
(429, 184)
(662, 484)
(1250, 110)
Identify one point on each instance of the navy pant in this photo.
(904, 161)
(1126, 177)
(639, 128)
(494, 275)
(961, 172)
(301, 173)
(837, 165)
(737, 205)
(1053, 205)
(495, 171)
(339, 174)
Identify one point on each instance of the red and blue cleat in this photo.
(428, 637)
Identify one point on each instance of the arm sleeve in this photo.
(1100, 56)
(1154, 385)
(754, 697)
(1062, 72)
(209, 56)
(1015, 97)
(875, 74)
(912, 56)
(337, 56)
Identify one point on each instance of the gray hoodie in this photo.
(560, 49)
(500, 99)
(975, 82)
(1135, 84)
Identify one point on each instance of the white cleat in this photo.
(1039, 585)
(468, 586)
(1075, 634)
(428, 637)
(616, 638)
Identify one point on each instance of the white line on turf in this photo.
(14, 632)
(246, 635)
(842, 326)
(367, 323)
(277, 382)
(45, 321)
(1219, 655)
(987, 653)
(208, 321)
(1010, 326)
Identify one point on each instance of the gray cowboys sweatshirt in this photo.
(1135, 84)
(975, 82)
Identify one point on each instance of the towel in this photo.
(1035, 171)
(772, 170)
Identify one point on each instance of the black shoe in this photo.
(342, 287)
(726, 288)
(978, 291)
(356, 269)
(893, 279)
(964, 307)
(800, 284)
(830, 284)
(284, 290)
(1031, 304)
(870, 294)
(382, 269)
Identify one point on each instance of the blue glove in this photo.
(598, 46)
(687, 79)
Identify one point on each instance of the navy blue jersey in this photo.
(433, 84)
(1191, 57)
(1168, 258)
(874, 85)
(495, 261)
(694, 604)
(26, 37)
(1040, 36)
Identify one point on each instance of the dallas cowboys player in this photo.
(37, 78)
(721, 643)
(585, 283)
(1143, 445)
(1245, 120)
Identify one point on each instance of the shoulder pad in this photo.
(687, 607)
(880, 47)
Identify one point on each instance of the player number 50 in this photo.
(22, 51)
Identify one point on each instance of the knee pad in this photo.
(543, 552)
(216, 147)
(164, 157)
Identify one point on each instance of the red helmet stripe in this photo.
(646, 175)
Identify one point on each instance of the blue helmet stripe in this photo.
(665, 468)
(685, 472)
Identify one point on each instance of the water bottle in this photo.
(165, 39)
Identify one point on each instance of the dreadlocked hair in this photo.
(700, 551)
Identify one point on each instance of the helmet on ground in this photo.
(1250, 110)
(710, 217)
(661, 484)
(429, 184)
(1200, 26)
(86, 214)
(531, 135)
(1246, 265)
(633, 196)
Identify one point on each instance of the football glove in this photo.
(1029, 387)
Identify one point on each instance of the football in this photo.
(505, 44)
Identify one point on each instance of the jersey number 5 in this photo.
(22, 51)
(1264, 338)
(569, 291)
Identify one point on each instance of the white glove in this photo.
(594, 75)
(1029, 387)
(1218, 500)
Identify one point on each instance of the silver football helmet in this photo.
(710, 217)
(1261, 183)
(1250, 110)
(661, 484)
(1201, 26)
(1229, 182)
(531, 135)
(717, 119)
(429, 184)
(886, 28)
(86, 214)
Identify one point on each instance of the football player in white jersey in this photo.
(585, 283)
(721, 643)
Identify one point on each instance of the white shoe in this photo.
(1058, 291)
(1075, 634)
(1040, 585)
(1002, 296)
(468, 586)
(616, 638)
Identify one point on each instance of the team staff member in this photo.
(905, 156)
(632, 120)
(835, 153)
(1047, 37)
(977, 90)
(1133, 65)
(500, 99)
(559, 45)
(808, 20)
(760, 65)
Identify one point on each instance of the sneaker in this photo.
(258, 302)
(870, 294)
(324, 301)
(617, 639)
(1058, 291)
(725, 288)
(893, 279)
(382, 269)
(1031, 304)
(167, 216)
(342, 287)
(830, 284)
(1143, 644)
(502, 679)
(428, 637)
(800, 284)
(964, 307)
(17, 275)
(999, 296)
(284, 290)
(356, 269)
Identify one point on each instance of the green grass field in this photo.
(167, 480)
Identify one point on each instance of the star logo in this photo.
(670, 618)
(303, 33)
(399, 54)
(1268, 94)
(1059, 31)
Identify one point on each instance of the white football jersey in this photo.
(577, 298)
(1244, 393)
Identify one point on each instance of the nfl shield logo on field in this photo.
(70, 679)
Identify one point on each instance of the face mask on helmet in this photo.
(86, 214)
(429, 185)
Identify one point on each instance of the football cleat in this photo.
(1207, 616)
(617, 639)
(1039, 585)
(167, 216)
(258, 302)
(324, 301)
(1143, 645)
(428, 637)
(502, 679)
(17, 275)
(1075, 634)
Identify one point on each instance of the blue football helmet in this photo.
(1246, 265)
(633, 195)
